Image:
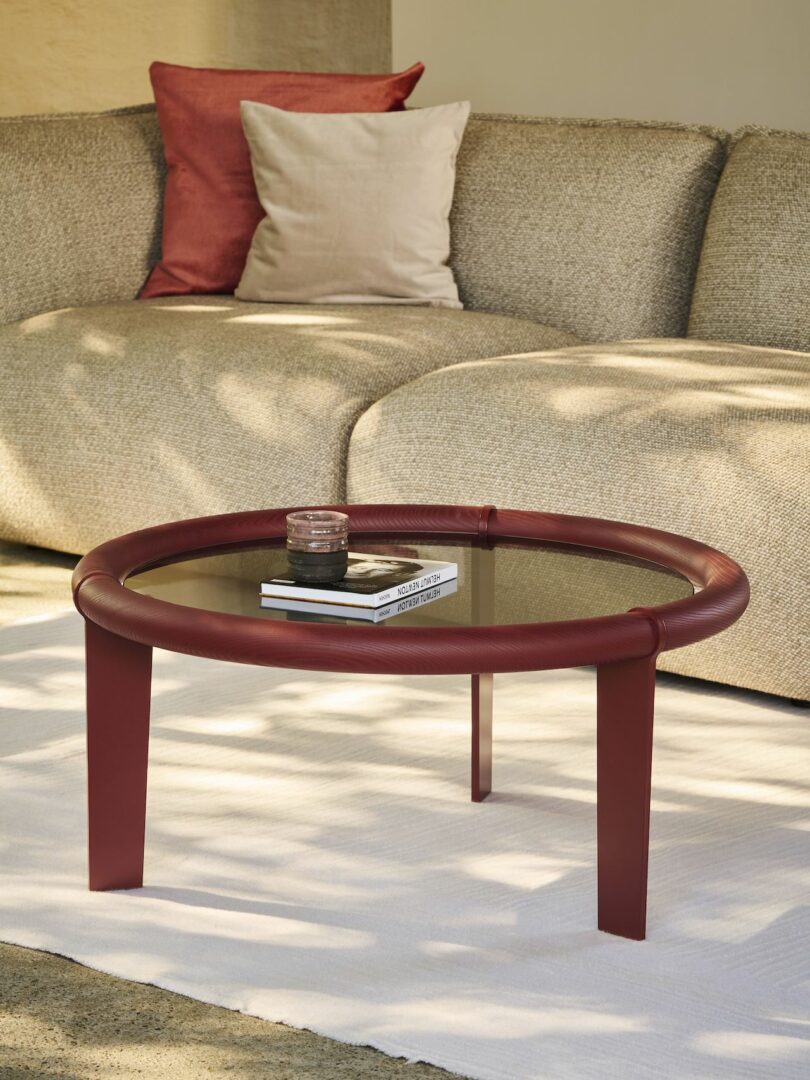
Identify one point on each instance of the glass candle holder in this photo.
(318, 546)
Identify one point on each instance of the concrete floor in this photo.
(66, 1022)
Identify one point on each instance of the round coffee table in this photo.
(535, 591)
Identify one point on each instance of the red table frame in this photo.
(122, 627)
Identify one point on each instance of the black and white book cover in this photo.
(365, 614)
(370, 581)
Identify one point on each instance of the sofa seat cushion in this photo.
(123, 415)
(701, 438)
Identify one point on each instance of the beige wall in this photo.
(67, 55)
(724, 62)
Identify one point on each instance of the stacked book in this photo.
(375, 588)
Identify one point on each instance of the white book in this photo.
(367, 614)
(371, 581)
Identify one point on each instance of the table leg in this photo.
(481, 737)
(119, 675)
(625, 702)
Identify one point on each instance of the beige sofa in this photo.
(617, 355)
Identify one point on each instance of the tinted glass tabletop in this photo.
(506, 584)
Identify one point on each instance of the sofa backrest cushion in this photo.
(592, 226)
(80, 197)
(753, 282)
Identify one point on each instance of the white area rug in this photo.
(312, 858)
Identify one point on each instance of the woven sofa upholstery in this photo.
(590, 226)
(708, 439)
(118, 416)
(117, 413)
(753, 284)
(593, 226)
(81, 197)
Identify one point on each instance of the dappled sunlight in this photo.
(35, 595)
(549, 792)
(520, 870)
(754, 917)
(257, 404)
(290, 318)
(362, 698)
(684, 346)
(710, 402)
(283, 931)
(748, 791)
(454, 949)
(457, 1016)
(223, 399)
(199, 491)
(254, 410)
(103, 344)
(194, 308)
(36, 655)
(678, 368)
(219, 725)
(365, 336)
(753, 1047)
(634, 383)
(790, 397)
(37, 324)
(18, 476)
(47, 690)
(313, 857)
(775, 453)
(154, 970)
(231, 785)
(332, 347)
(21, 753)
(165, 684)
(586, 400)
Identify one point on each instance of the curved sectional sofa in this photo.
(635, 344)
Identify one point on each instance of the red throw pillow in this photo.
(210, 206)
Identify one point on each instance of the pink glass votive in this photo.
(318, 545)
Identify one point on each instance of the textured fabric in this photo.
(313, 857)
(591, 226)
(699, 438)
(753, 283)
(211, 208)
(125, 415)
(612, 256)
(356, 204)
(80, 198)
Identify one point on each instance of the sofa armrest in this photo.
(80, 199)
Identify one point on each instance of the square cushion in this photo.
(357, 206)
(753, 283)
(210, 208)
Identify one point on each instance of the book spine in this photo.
(411, 602)
(319, 608)
(424, 581)
(397, 592)
(367, 614)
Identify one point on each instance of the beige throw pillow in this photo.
(357, 205)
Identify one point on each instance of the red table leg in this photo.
(481, 737)
(119, 676)
(625, 700)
